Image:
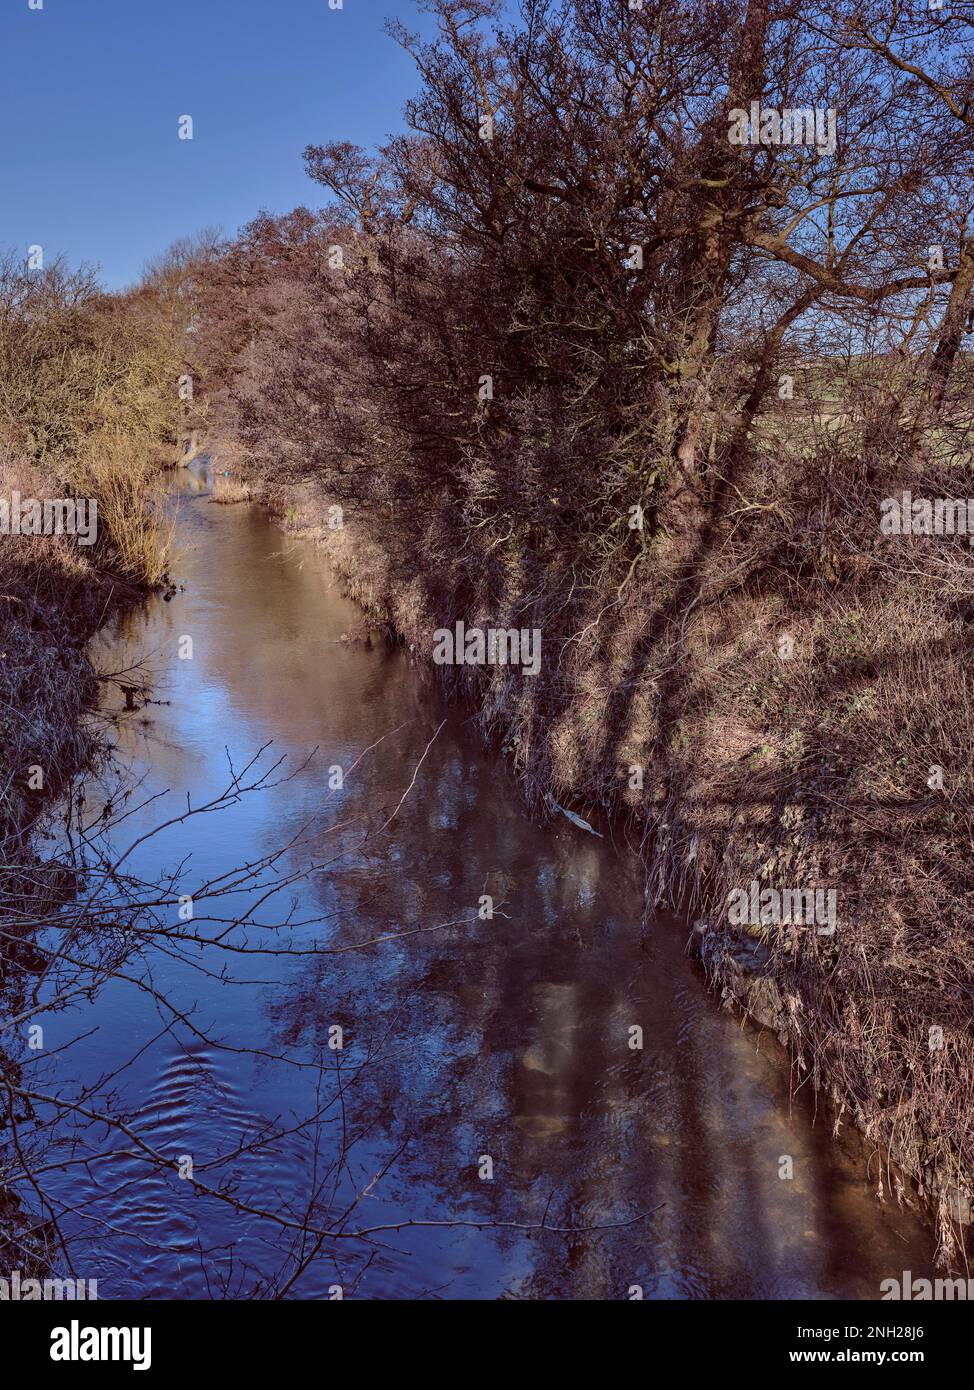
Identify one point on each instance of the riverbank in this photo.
(94, 403)
(708, 443)
(750, 773)
(51, 604)
(511, 1036)
(52, 599)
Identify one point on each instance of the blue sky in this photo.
(90, 162)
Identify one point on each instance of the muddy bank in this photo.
(50, 605)
(847, 1006)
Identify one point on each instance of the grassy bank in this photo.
(91, 413)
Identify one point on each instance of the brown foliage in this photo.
(633, 288)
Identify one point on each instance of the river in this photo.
(486, 1074)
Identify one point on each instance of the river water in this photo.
(486, 1073)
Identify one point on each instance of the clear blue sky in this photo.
(92, 91)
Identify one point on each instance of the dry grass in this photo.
(88, 390)
(228, 489)
(135, 536)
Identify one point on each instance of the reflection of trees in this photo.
(302, 1174)
(464, 1037)
(505, 1037)
(68, 1135)
(509, 1037)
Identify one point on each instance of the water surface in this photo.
(465, 1040)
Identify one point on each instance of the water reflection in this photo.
(464, 1038)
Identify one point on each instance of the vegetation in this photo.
(89, 409)
(565, 357)
(570, 359)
